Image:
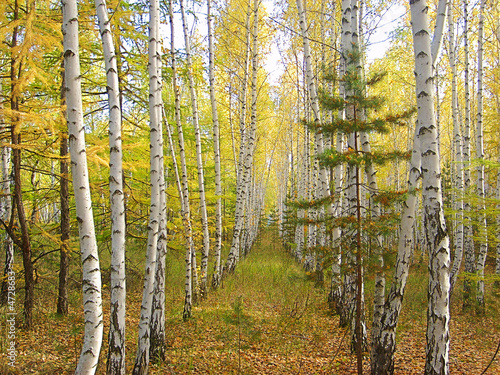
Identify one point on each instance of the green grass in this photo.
(267, 317)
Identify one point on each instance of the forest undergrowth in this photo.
(269, 317)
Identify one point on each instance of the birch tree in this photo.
(156, 176)
(438, 314)
(92, 298)
(116, 338)
(185, 206)
(199, 161)
(215, 121)
(470, 257)
(247, 160)
(457, 144)
(384, 346)
(480, 181)
(157, 322)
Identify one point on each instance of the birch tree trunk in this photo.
(185, 207)
(384, 346)
(345, 43)
(470, 258)
(379, 292)
(215, 121)
(234, 252)
(459, 173)
(312, 90)
(482, 225)
(157, 323)
(199, 162)
(438, 314)
(143, 345)
(92, 298)
(116, 339)
(246, 163)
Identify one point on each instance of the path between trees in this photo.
(269, 317)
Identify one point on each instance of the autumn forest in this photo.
(250, 187)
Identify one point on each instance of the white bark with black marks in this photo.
(215, 121)
(438, 314)
(185, 207)
(156, 151)
(92, 297)
(246, 163)
(482, 225)
(199, 161)
(458, 179)
(116, 338)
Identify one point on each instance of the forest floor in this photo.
(269, 317)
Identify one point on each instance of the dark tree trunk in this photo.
(62, 299)
(16, 169)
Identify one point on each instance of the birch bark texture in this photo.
(469, 253)
(157, 322)
(156, 151)
(245, 174)
(438, 314)
(185, 207)
(482, 225)
(199, 161)
(92, 298)
(384, 346)
(116, 339)
(215, 122)
(457, 144)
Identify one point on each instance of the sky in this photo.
(378, 43)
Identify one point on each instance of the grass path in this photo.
(267, 318)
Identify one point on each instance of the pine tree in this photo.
(358, 223)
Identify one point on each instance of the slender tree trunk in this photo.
(24, 242)
(247, 161)
(482, 225)
(234, 253)
(323, 179)
(438, 314)
(345, 43)
(156, 146)
(359, 272)
(379, 293)
(157, 323)
(470, 258)
(199, 162)
(116, 338)
(215, 120)
(497, 263)
(92, 298)
(186, 219)
(6, 209)
(459, 173)
(384, 346)
(62, 298)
